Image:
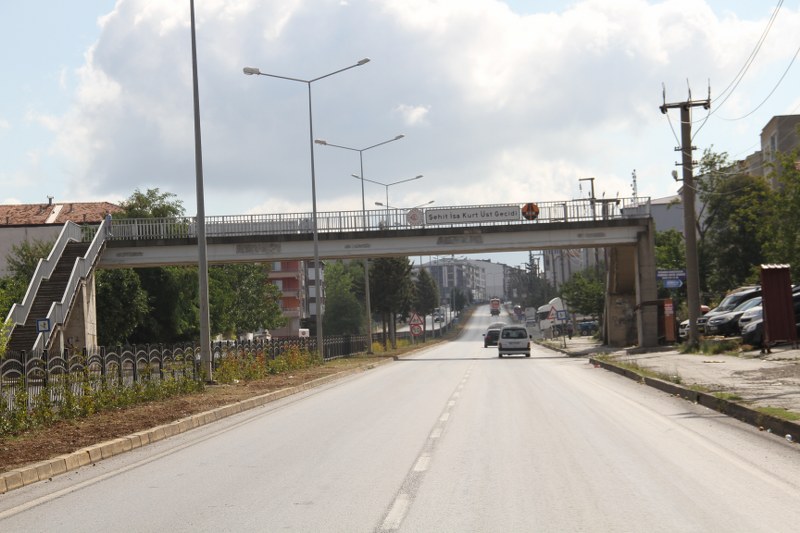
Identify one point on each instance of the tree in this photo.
(243, 299)
(733, 243)
(344, 314)
(170, 292)
(426, 294)
(781, 219)
(21, 263)
(391, 290)
(152, 204)
(585, 293)
(121, 305)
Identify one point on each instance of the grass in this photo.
(633, 366)
(779, 412)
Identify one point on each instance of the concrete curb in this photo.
(741, 412)
(45, 470)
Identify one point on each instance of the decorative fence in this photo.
(76, 374)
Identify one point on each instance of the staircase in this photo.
(51, 290)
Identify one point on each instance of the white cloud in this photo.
(497, 106)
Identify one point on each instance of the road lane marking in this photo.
(410, 485)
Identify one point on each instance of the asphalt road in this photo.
(450, 439)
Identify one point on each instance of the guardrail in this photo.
(583, 210)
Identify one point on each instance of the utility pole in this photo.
(689, 215)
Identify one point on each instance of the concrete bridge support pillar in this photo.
(80, 331)
(631, 317)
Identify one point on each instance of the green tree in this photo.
(391, 291)
(344, 314)
(25, 256)
(170, 292)
(670, 250)
(152, 204)
(243, 299)
(734, 219)
(781, 218)
(426, 294)
(21, 263)
(121, 305)
(584, 293)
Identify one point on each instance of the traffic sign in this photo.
(671, 274)
(415, 320)
(416, 330)
(673, 283)
(562, 315)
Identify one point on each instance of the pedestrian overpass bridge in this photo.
(622, 226)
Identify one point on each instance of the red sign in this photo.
(416, 329)
(415, 320)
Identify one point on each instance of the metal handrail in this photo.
(19, 312)
(582, 210)
(58, 311)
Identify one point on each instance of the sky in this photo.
(498, 101)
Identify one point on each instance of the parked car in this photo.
(729, 303)
(514, 340)
(727, 324)
(683, 328)
(754, 313)
(753, 328)
(490, 338)
(588, 327)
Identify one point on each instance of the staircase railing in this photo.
(58, 312)
(44, 269)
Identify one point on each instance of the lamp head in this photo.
(356, 176)
(251, 70)
(363, 61)
(321, 141)
(399, 137)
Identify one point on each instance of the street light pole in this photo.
(386, 185)
(206, 367)
(314, 228)
(364, 216)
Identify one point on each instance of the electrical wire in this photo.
(722, 98)
(785, 72)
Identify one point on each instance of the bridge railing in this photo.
(582, 210)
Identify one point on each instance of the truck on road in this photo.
(494, 306)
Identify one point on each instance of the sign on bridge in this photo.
(455, 215)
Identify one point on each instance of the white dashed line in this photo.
(397, 513)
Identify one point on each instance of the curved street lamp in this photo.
(250, 71)
(381, 204)
(364, 216)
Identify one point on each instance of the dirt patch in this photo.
(68, 436)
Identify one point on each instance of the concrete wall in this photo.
(15, 235)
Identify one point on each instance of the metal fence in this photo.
(582, 210)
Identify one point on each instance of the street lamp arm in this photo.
(323, 142)
(397, 138)
(356, 176)
(402, 181)
(250, 71)
(361, 62)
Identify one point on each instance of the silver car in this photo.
(514, 340)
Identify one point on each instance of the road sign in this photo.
(562, 315)
(670, 274)
(415, 217)
(552, 314)
(416, 330)
(415, 320)
(673, 284)
(42, 325)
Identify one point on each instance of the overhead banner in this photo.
(464, 215)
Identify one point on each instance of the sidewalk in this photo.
(745, 386)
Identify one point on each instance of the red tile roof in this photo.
(55, 213)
